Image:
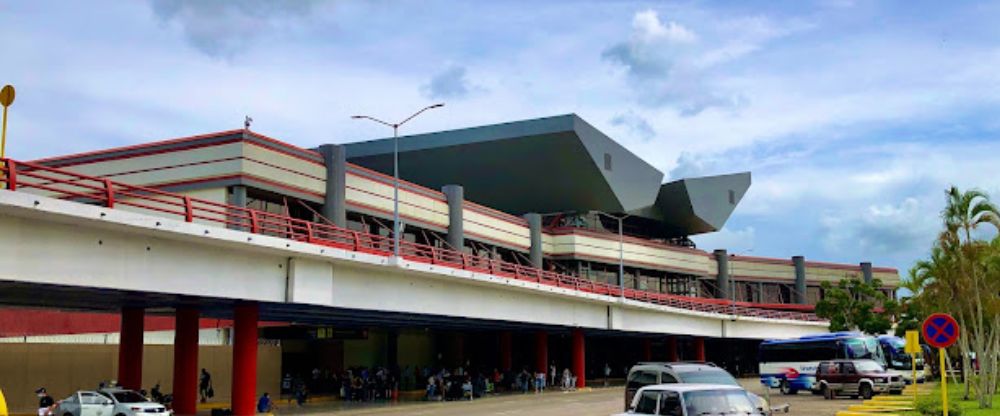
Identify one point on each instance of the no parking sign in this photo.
(940, 330)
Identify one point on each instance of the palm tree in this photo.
(965, 212)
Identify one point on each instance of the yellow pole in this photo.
(913, 362)
(3, 405)
(3, 138)
(944, 384)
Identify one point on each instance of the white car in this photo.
(694, 400)
(108, 402)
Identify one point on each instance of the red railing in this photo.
(62, 184)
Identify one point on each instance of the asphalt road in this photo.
(596, 402)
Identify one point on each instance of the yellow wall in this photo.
(65, 368)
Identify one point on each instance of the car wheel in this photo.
(786, 388)
(866, 391)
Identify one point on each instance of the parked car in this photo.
(693, 400)
(650, 373)
(855, 378)
(108, 402)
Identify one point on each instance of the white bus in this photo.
(790, 364)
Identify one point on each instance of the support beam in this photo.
(542, 351)
(506, 351)
(130, 348)
(535, 232)
(579, 358)
(245, 359)
(460, 349)
(672, 349)
(392, 350)
(238, 198)
(722, 278)
(866, 271)
(699, 349)
(185, 387)
(335, 159)
(800, 280)
(647, 349)
(455, 195)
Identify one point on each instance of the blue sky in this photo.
(852, 115)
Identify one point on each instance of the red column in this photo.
(245, 359)
(506, 352)
(699, 349)
(579, 361)
(647, 350)
(541, 351)
(130, 349)
(186, 361)
(672, 349)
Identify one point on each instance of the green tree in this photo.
(854, 305)
(962, 277)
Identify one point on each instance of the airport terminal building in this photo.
(550, 201)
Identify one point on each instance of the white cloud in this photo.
(452, 82)
(882, 229)
(223, 29)
(635, 124)
(736, 241)
(668, 64)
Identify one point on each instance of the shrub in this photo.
(932, 407)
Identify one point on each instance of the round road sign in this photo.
(940, 330)
(6, 95)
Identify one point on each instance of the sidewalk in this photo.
(332, 404)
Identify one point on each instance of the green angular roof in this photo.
(553, 164)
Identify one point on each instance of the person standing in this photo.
(552, 374)
(45, 402)
(607, 373)
(205, 386)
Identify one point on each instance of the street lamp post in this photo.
(395, 170)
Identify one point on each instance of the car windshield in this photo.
(897, 344)
(128, 397)
(708, 377)
(868, 366)
(719, 402)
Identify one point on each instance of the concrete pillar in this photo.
(506, 351)
(699, 349)
(579, 358)
(800, 280)
(392, 350)
(722, 278)
(866, 271)
(647, 349)
(335, 159)
(244, 394)
(542, 351)
(672, 349)
(535, 231)
(455, 195)
(185, 387)
(240, 196)
(239, 199)
(460, 349)
(130, 348)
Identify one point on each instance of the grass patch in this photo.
(966, 407)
